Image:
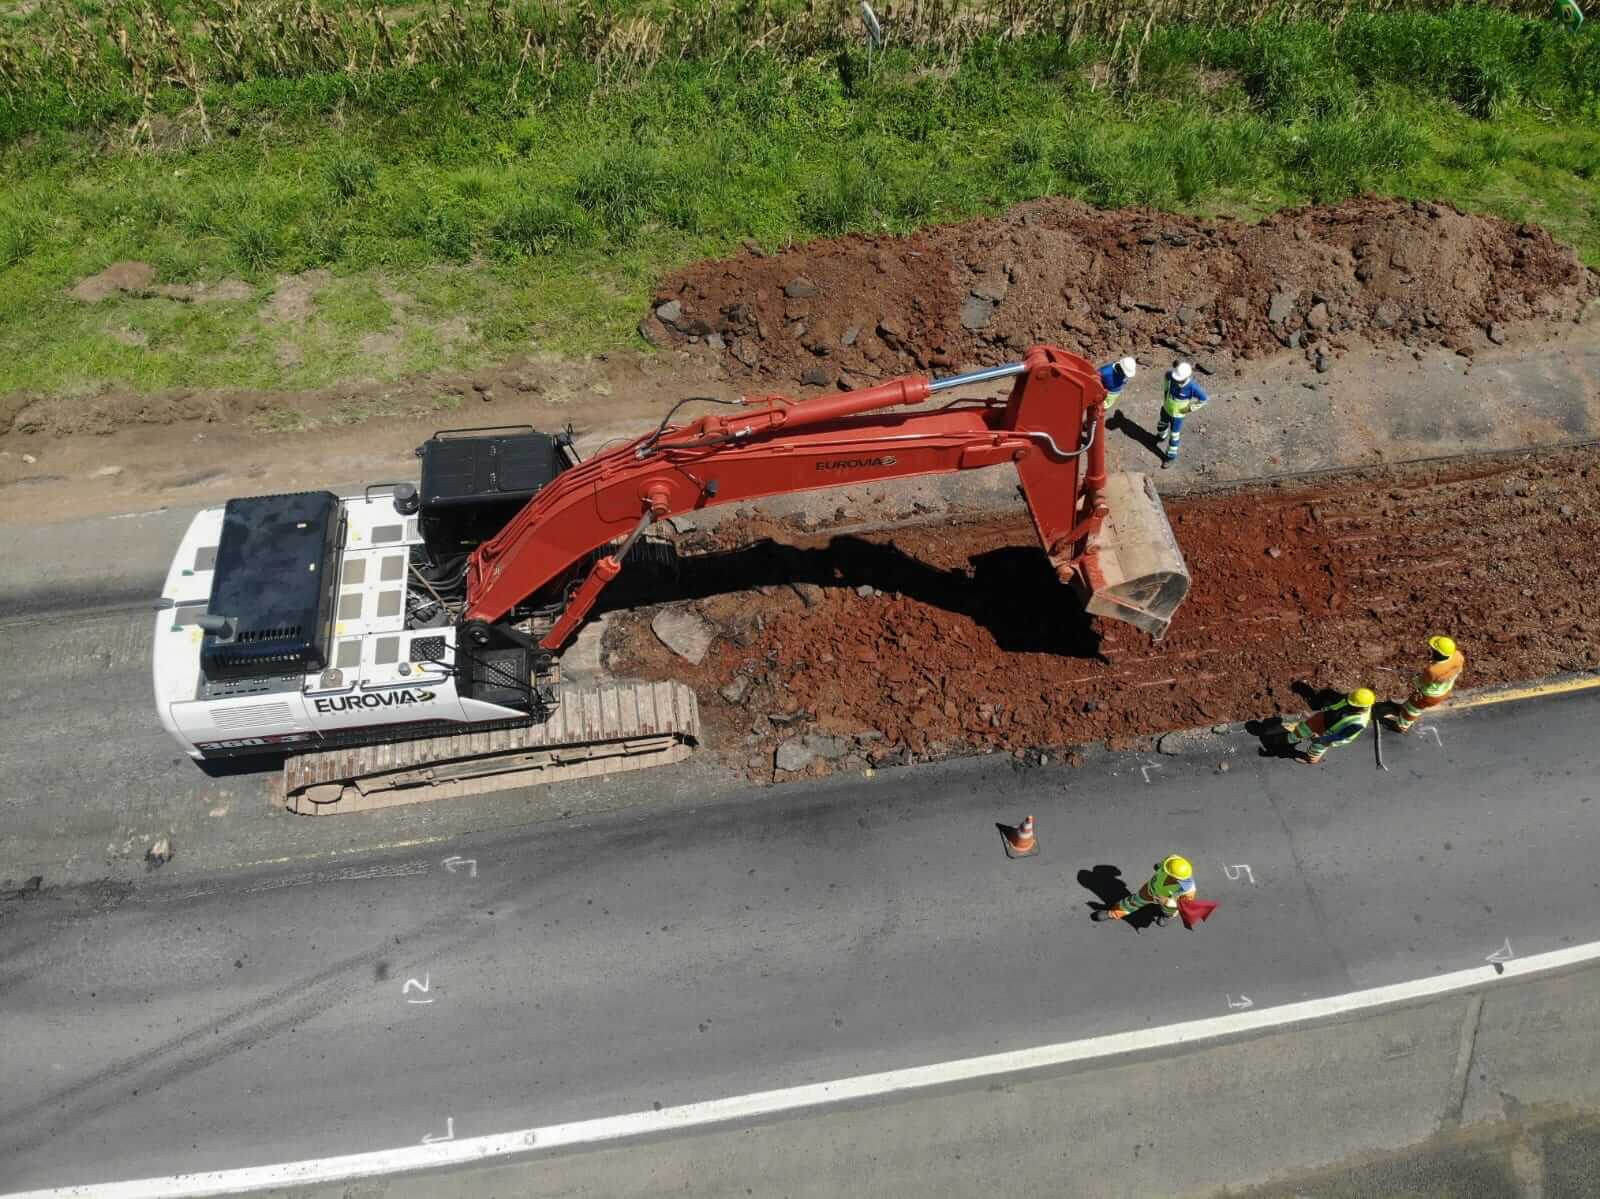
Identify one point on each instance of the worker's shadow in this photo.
(1134, 431)
(1273, 731)
(1105, 883)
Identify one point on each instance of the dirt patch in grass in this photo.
(294, 297)
(1315, 279)
(117, 278)
(137, 279)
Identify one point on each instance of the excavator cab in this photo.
(1136, 572)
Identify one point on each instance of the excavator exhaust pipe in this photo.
(1134, 571)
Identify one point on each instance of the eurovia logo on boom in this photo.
(378, 699)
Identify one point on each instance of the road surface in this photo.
(662, 955)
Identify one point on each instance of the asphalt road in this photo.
(658, 955)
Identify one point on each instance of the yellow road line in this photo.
(1536, 691)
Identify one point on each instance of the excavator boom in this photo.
(1109, 538)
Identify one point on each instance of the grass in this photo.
(541, 206)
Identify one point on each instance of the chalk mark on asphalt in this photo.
(449, 1132)
(456, 861)
(1437, 740)
(1146, 769)
(420, 986)
(1235, 873)
(1244, 1001)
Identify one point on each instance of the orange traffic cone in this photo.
(1020, 841)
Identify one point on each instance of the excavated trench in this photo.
(956, 638)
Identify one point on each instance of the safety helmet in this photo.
(1442, 646)
(1363, 697)
(1182, 371)
(1178, 867)
(1129, 367)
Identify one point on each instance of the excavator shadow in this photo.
(1011, 591)
(228, 768)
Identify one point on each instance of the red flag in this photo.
(1194, 911)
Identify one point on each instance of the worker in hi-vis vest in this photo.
(1180, 396)
(1433, 686)
(1340, 723)
(1114, 376)
(1172, 881)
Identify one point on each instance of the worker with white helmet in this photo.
(1180, 396)
(1113, 377)
(1172, 881)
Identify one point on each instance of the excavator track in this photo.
(595, 730)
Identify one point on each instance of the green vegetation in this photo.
(476, 179)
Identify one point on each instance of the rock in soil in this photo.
(685, 633)
(974, 645)
(735, 689)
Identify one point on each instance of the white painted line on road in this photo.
(814, 1095)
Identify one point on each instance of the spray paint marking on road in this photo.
(449, 1134)
(1145, 770)
(422, 987)
(1235, 873)
(810, 1096)
(1244, 1001)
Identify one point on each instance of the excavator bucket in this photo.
(1135, 572)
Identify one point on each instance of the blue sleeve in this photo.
(1108, 377)
(1200, 397)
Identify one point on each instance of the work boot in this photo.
(1099, 916)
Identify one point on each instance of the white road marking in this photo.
(1244, 1001)
(455, 862)
(1235, 873)
(1145, 770)
(1504, 954)
(449, 1133)
(420, 986)
(1437, 740)
(812, 1095)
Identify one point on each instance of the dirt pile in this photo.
(858, 308)
(954, 639)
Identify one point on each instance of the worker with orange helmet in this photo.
(1172, 881)
(1433, 686)
(1340, 723)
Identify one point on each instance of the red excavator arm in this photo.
(1051, 428)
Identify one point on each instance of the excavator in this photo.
(406, 643)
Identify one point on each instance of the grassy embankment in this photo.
(518, 178)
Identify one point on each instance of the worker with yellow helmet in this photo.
(1340, 723)
(1433, 686)
(1173, 880)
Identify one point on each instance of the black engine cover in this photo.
(275, 579)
